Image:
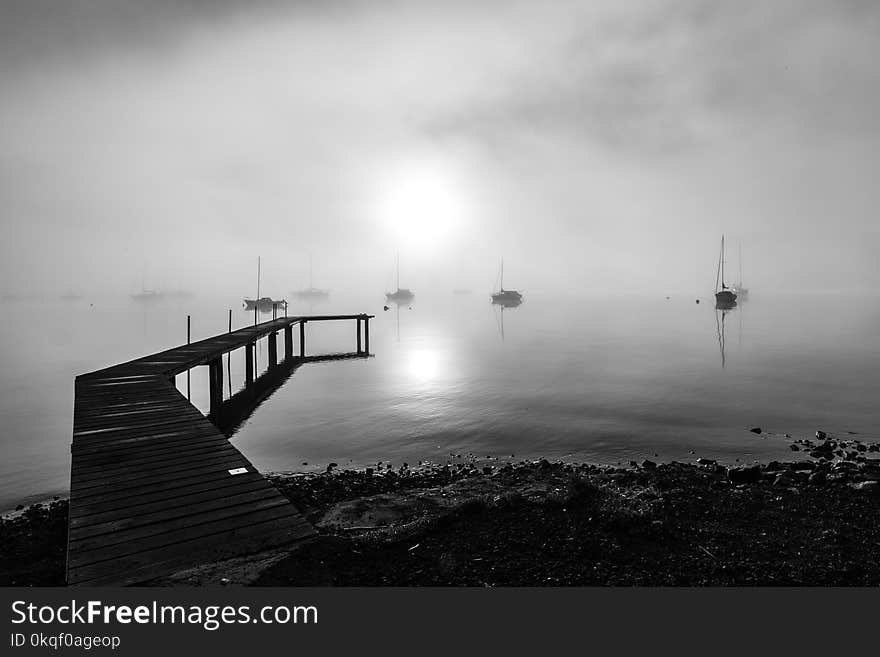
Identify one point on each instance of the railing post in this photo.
(273, 349)
(367, 335)
(357, 321)
(187, 341)
(230, 320)
(288, 342)
(302, 338)
(249, 364)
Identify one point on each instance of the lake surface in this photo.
(602, 380)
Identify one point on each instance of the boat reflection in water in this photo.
(505, 303)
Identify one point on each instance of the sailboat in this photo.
(401, 295)
(146, 295)
(311, 292)
(504, 297)
(263, 304)
(741, 292)
(724, 297)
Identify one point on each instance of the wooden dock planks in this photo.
(151, 491)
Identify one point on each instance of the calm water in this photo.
(603, 380)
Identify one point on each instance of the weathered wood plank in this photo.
(151, 490)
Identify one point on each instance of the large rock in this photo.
(867, 486)
(745, 474)
(818, 478)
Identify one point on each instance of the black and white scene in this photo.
(495, 293)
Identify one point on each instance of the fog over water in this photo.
(600, 148)
(597, 145)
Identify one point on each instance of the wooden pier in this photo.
(155, 486)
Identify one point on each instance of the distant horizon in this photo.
(592, 145)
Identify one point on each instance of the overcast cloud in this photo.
(597, 145)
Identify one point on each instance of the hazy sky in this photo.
(600, 145)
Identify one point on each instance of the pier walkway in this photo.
(155, 486)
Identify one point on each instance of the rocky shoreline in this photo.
(814, 521)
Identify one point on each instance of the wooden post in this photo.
(187, 372)
(215, 377)
(273, 349)
(367, 335)
(274, 310)
(288, 341)
(255, 314)
(230, 320)
(302, 338)
(357, 321)
(249, 364)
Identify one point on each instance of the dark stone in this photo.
(543, 464)
(773, 466)
(821, 435)
(783, 480)
(755, 429)
(19, 507)
(867, 486)
(745, 474)
(794, 448)
(331, 466)
(818, 478)
(487, 470)
(648, 465)
(703, 461)
(369, 472)
(802, 465)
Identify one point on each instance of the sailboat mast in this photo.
(398, 270)
(258, 278)
(740, 265)
(502, 274)
(311, 284)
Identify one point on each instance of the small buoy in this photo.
(384, 307)
(698, 301)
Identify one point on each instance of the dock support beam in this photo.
(273, 349)
(366, 335)
(358, 323)
(215, 377)
(302, 339)
(249, 364)
(288, 342)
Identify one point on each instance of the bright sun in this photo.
(421, 208)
